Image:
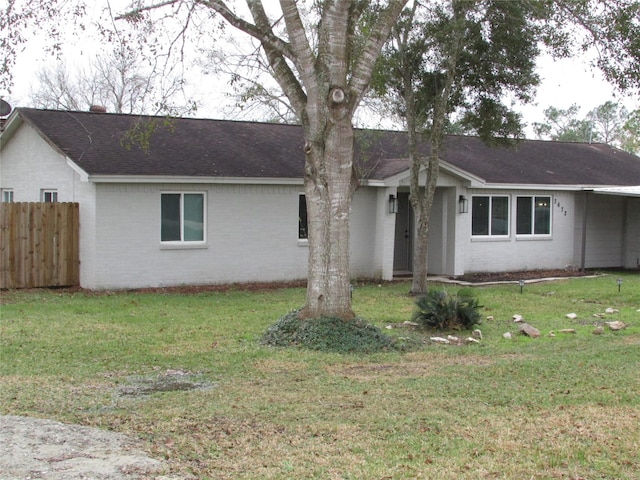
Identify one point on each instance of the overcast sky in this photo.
(563, 83)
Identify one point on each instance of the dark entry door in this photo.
(403, 247)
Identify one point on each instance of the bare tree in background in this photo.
(121, 81)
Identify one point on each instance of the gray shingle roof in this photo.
(218, 148)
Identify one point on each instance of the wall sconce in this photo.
(619, 282)
(393, 204)
(463, 204)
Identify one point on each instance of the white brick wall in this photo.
(521, 253)
(29, 164)
(605, 220)
(252, 235)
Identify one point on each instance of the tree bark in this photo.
(329, 188)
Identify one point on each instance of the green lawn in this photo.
(564, 406)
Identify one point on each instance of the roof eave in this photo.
(194, 179)
(10, 127)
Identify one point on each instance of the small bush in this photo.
(327, 334)
(439, 310)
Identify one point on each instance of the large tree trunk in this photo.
(329, 187)
(324, 84)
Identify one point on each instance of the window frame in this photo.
(534, 200)
(7, 195)
(182, 241)
(490, 217)
(52, 192)
(303, 220)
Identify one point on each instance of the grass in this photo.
(564, 406)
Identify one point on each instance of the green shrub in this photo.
(327, 334)
(439, 310)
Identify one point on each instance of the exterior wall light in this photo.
(393, 204)
(463, 204)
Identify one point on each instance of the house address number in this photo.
(560, 206)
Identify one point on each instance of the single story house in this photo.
(211, 201)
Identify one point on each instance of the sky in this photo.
(564, 83)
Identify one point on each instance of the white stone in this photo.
(389, 327)
(453, 339)
(568, 330)
(571, 316)
(507, 335)
(410, 324)
(472, 340)
(517, 317)
(490, 317)
(477, 333)
(440, 340)
(612, 310)
(617, 325)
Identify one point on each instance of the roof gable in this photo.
(97, 143)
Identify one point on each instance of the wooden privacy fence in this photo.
(39, 245)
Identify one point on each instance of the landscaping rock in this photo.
(441, 340)
(617, 325)
(39, 448)
(529, 331)
(612, 310)
(571, 316)
(472, 340)
(507, 335)
(567, 330)
(477, 334)
(599, 330)
(490, 317)
(517, 318)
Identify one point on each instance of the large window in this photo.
(490, 215)
(182, 217)
(303, 232)
(533, 216)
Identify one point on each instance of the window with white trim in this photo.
(533, 215)
(303, 232)
(490, 216)
(49, 196)
(7, 195)
(182, 217)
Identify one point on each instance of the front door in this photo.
(403, 249)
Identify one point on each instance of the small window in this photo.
(182, 217)
(49, 196)
(490, 216)
(303, 232)
(7, 195)
(533, 215)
